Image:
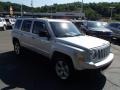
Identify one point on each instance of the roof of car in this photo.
(76, 20)
(93, 21)
(46, 19)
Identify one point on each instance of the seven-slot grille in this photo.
(101, 53)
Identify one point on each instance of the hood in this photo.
(102, 29)
(87, 42)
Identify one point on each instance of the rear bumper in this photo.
(91, 65)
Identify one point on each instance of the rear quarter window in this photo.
(18, 24)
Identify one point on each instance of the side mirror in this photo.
(44, 34)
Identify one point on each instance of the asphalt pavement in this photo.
(33, 71)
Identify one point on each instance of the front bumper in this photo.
(100, 64)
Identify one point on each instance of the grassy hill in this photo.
(92, 10)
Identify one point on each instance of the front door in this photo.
(40, 43)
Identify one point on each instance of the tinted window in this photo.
(113, 25)
(26, 25)
(94, 24)
(38, 26)
(18, 24)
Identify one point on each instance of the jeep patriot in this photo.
(62, 43)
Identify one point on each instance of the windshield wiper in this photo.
(67, 36)
(79, 34)
(71, 35)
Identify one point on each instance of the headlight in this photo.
(80, 57)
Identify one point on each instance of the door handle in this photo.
(33, 38)
(21, 34)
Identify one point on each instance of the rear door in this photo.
(16, 32)
(25, 33)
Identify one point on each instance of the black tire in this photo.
(4, 28)
(63, 68)
(17, 48)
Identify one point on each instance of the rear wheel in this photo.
(17, 48)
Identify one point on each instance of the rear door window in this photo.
(26, 25)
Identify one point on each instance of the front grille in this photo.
(101, 53)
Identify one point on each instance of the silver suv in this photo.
(2, 24)
(62, 43)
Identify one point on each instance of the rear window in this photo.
(26, 25)
(18, 24)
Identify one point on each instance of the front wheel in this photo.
(63, 68)
(4, 28)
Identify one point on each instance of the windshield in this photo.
(95, 24)
(64, 29)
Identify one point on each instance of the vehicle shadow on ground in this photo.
(33, 72)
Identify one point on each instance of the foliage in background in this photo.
(92, 11)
